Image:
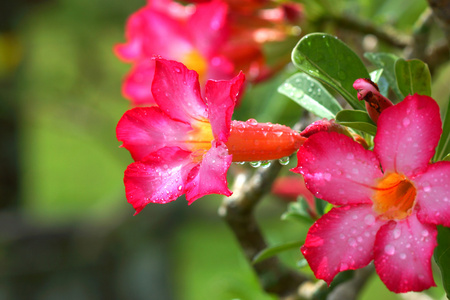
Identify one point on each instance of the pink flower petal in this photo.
(340, 240)
(407, 135)
(159, 178)
(433, 194)
(144, 130)
(129, 51)
(150, 29)
(207, 27)
(337, 169)
(221, 98)
(221, 67)
(137, 84)
(210, 176)
(403, 253)
(177, 92)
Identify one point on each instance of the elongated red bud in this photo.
(253, 141)
(375, 102)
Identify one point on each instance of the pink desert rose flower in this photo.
(388, 201)
(186, 143)
(191, 36)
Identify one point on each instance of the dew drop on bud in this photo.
(252, 121)
(255, 164)
(239, 162)
(265, 164)
(284, 160)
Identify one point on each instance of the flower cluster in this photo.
(388, 201)
(213, 38)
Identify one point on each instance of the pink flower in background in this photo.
(185, 144)
(292, 187)
(254, 23)
(194, 37)
(389, 201)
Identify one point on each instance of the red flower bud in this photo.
(253, 141)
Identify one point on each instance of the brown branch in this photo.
(383, 33)
(237, 211)
(421, 36)
(350, 289)
(441, 10)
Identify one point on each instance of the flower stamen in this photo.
(394, 196)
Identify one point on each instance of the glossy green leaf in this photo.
(443, 148)
(311, 95)
(382, 83)
(442, 256)
(413, 76)
(386, 61)
(375, 75)
(447, 157)
(357, 119)
(274, 250)
(332, 62)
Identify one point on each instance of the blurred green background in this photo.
(66, 230)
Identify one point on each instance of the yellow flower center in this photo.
(193, 60)
(199, 138)
(394, 197)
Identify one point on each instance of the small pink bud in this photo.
(324, 125)
(375, 102)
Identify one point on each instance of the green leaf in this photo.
(442, 256)
(443, 148)
(332, 62)
(321, 206)
(299, 211)
(311, 95)
(357, 119)
(413, 76)
(376, 75)
(447, 157)
(274, 250)
(386, 61)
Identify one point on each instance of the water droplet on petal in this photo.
(402, 256)
(369, 220)
(396, 233)
(425, 233)
(180, 187)
(350, 156)
(389, 249)
(352, 242)
(239, 162)
(426, 187)
(406, 122)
